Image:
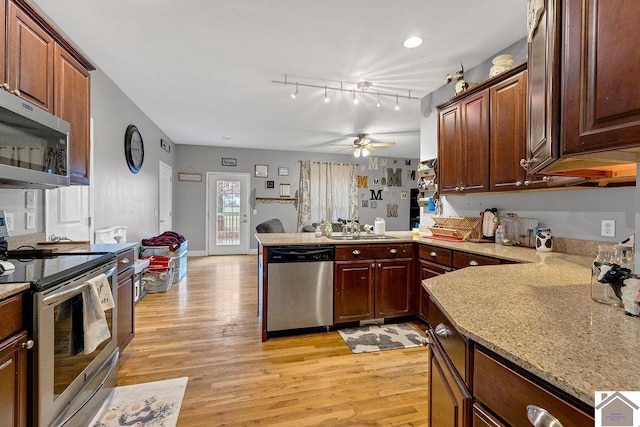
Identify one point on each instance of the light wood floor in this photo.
(206, 328)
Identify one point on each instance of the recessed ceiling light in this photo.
(412, 42)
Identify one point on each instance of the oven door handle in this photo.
(66, 293)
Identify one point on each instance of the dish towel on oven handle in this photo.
(95, 300)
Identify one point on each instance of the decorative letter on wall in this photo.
(373, 163)
(394, 179)
(363, 181)
(376, 194)
(392, 210)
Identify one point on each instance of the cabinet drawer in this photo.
(435, 254)
(125, 259)
(482, 418)
(11, 315)
(464, 259)
(508, 393)
(454, 344)
(375, 251)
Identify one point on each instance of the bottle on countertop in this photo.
(318, 231)
(498, 235)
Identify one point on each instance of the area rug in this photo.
(155, 404)
(372, 338)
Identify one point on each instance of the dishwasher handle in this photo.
(300, 254)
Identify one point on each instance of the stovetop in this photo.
(44, 270)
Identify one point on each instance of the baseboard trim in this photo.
(204, 253)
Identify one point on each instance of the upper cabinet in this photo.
(600, 107)
(583, 107)
(44, 68)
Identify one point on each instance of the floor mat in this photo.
(372, 338)
(155, 404)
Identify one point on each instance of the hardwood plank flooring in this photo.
(206, 328)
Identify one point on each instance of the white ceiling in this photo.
(202, 70)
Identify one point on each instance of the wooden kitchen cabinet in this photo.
(507, 142)
(72, 104)
(449, 400)
(41, 66)
(600, 107)
(31, 56)
(374, 281)
(463, 145)
(126, 300)
(13, 363)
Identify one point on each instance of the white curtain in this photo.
(327, 191)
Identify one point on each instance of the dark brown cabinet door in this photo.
(72, 104)
(449, 399)
(601, 97)
(450, 149)
(543, 88)
(3, 44)
(393, 285)
(125, 308)
(463, 145)
(31, 57)
(427, 270)
(353, 291)
(508, 134)
(475, 139)
(13, 381)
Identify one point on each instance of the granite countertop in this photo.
(10, 289)
(540, 316)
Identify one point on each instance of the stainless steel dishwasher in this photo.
(300, 287)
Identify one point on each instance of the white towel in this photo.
(95, 300)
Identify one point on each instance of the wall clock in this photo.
(133, 148)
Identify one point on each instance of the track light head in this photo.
(397, 107)
(355, 100)
(378, 105)
(294, 95)
(326, 98)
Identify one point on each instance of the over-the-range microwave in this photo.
(34, 145)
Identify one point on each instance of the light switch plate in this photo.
(30, 199)
(31, 221)
(608, 228)
(8, 217)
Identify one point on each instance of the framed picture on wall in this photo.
(285, 190)
(229, 162)
(283, 171)
(270, 184)
(262, 171)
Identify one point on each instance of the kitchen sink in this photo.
(362, 237)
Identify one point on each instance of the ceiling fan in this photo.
(363, 145)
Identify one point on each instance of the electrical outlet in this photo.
(31, 221)
(608, 228)
(8, 218)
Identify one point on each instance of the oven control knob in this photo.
(27, 345)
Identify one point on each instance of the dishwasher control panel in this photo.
(279, 254)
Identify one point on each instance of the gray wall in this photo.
(571, 213)
(122, 198)
(190, 197)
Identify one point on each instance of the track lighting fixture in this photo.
(366, 87)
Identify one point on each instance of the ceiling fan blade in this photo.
(382, 144)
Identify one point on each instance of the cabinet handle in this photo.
(519, 183)
(379, 265)
(462, 188)
(5, 364)
(457, 188)
(16, 92)
(540, 417)
(28, 345)
(393, 251)
(442, 331)
(473, 263)
(373, 265)
(356, 252)
(125, 260)
(433, 254)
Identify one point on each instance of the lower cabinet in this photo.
(368, 286)
(126, 298)
(13, 363)
(449, 400)
(427, 271)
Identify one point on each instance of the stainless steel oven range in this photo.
(67, 383)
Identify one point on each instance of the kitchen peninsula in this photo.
(533, 312)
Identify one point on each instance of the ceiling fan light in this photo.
(357, 152)
(412, 42)
(365, 152)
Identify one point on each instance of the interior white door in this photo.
(68, 213)
(227, 213)
(165, 201)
